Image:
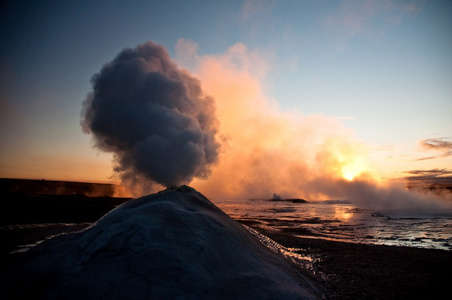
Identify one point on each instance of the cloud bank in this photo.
(153, 116)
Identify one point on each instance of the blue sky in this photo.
(384, 68)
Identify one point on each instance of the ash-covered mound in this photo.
(174, 244)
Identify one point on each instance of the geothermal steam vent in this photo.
(174, 244)
(153, 116)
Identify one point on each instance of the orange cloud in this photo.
(264, 149)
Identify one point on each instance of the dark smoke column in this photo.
(153, 116)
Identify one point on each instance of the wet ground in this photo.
(360, 271)
(347, 270)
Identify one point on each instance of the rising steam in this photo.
(153, 117)
(266, 149)
(161, 127)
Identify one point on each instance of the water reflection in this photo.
(343, 222)
(341, 213)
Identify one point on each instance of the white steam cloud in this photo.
(153, 117)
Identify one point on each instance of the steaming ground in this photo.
(267, 150)
(163, 128)
(175, 244)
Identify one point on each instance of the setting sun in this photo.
(349, 175)
(355, 168)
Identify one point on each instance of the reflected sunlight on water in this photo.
(342, 222)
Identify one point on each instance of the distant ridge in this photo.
(54, 187)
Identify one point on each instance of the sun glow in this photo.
(354, 169)
(348, 175)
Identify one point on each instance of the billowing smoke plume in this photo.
(152, 116)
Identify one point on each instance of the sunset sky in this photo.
(379, 72)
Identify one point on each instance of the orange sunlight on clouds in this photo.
(264, 149)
